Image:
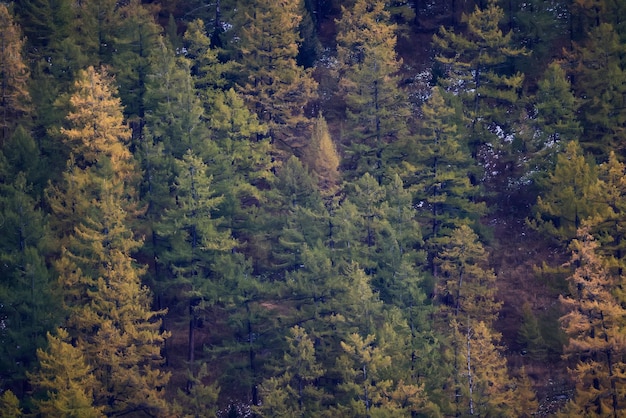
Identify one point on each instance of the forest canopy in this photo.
(312, 208)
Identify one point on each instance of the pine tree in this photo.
(242, 169)
(594, 324)
(466, 288)
(195, 237)
(599, 85)
(274, 86)
(538, 26)
(529, 334)
(30, 305)
(301, 221)
(294, 392)
(376, 108)
(137, 38)
(200, 399)
(14, 95)
(55, 60)
(556, 123)
(473, 64)
(175, 114)
(438, 168)
(566, 202)
(110, 317)
(96, 30)
(209, 67)
(479, 381)
(607, 226)
(363, 363)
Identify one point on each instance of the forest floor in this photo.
(516, 253)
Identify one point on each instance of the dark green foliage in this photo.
(597, 66)
(475, 66)
(376, 109)
(30, 301)
(529, 335)
(137, 39)
(438, 166)
(556, 122)
(289, 292)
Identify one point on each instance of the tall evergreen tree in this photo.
(97, 25)
(607, 225)
(438, 167)
(479, 379)
(556, 123)
(597, 68)
(30, 305)
(322, 157)
(566, 202)
(475, 66)
(274, 86)
(294, 391)
(14, 95)
(376, 108)
(195, 237)
(137, 39)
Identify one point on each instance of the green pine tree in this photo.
(274, 86)
(474, 65)
(376, 109)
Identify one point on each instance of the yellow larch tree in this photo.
(14, 96)
(110, 318)
(594, 323)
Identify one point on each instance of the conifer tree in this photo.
(556, 123)
(566, 203)
(482, 384)
(274, 86)
(363, 361)
(600, 80)
(529, 334)
(96, 29)
(110, 317)
(208, 67)
(302, 215)
(200, 398)
(376, 108)
(479, 379)
(67, 378)
(293, 392)
(322, 157)
(361, 223)
(14, 95)
(438, 168)
(466, 288)
(473, 64)
(594, 324)
(175, 115)
(195, 237)
(30, 305)
(242, 163)
(10, 405)
(55, 60)
(137, 38)
(538, 26)
(607, 226)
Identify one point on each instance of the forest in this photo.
(312, 208)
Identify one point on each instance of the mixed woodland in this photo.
(312, 208)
